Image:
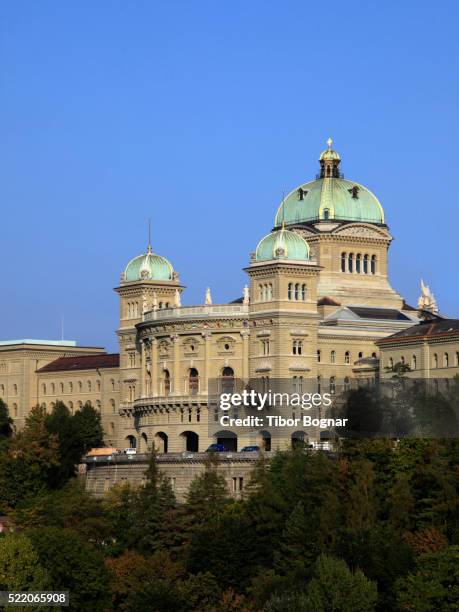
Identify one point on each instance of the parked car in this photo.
(130, 451)
(217, 448)
(250, 449)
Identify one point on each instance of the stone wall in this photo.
(102, 473)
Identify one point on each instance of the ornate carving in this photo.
(361, 231)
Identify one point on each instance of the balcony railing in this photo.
(183, 312)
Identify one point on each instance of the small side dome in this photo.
(148, 267)
(282, 244)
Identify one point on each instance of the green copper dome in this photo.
(148, 267)
(282, 244)
(330, 197)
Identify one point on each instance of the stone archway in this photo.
(161, 442)
(190, 441)
(228, 439)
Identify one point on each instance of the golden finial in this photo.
(329, 143)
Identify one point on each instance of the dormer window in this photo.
(326, 214)
(301, 193)
(354, 191)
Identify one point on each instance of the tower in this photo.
(148, 284)
(283, 308)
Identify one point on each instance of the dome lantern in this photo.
(329, 162)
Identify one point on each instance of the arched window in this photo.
(98, 385)
(326, 211)
(53, 388)
(333, 357)
(89, 386)
(332, 385)
(351, 262)
(319, 384)
(413, 362)
(446, 360)
(435, 360)
(347, 357)
(43, 389)
(15, 389)
(260, 293)
(365, 264)
(80, 386)
(303, 292)
(343, 262)
(70, 406)
(373, 355)
(358, 261)
(290, 291)
(297, 291)
(112, 384)
(347, 383)
(270, 291)
(318, 356)
(193, 381)
(61, 387)
(167, 383)
(373, 264)
(263, 293)
(360, 355)
(113, 406)
(227, 380)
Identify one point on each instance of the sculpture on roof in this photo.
(427, 299)
(208, 298)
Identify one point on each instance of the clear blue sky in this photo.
(199, 115)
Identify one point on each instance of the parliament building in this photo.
(318, 308)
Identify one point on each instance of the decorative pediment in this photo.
(362, 230)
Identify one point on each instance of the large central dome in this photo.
(330, 197)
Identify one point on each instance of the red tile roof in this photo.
(83, 362)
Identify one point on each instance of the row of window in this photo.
(50, 388)
(296, 291)
(361, 264)
(347, 356)
(297, 384)
(265, 292)
(79, 404)
(227, 377)
(446, 361)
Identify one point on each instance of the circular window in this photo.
(227, 347)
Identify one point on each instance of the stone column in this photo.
(207, 335)
(154, 369)
(176, 388)
(245, 354)
(143, 365)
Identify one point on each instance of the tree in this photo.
(434, 585)
(88, 428)
(6, 422)
(70, 507)
(20, 566)
(208, 493)
(153, 511)
(334, 588)
(72, 565)
(296, 552)
(27, 466)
